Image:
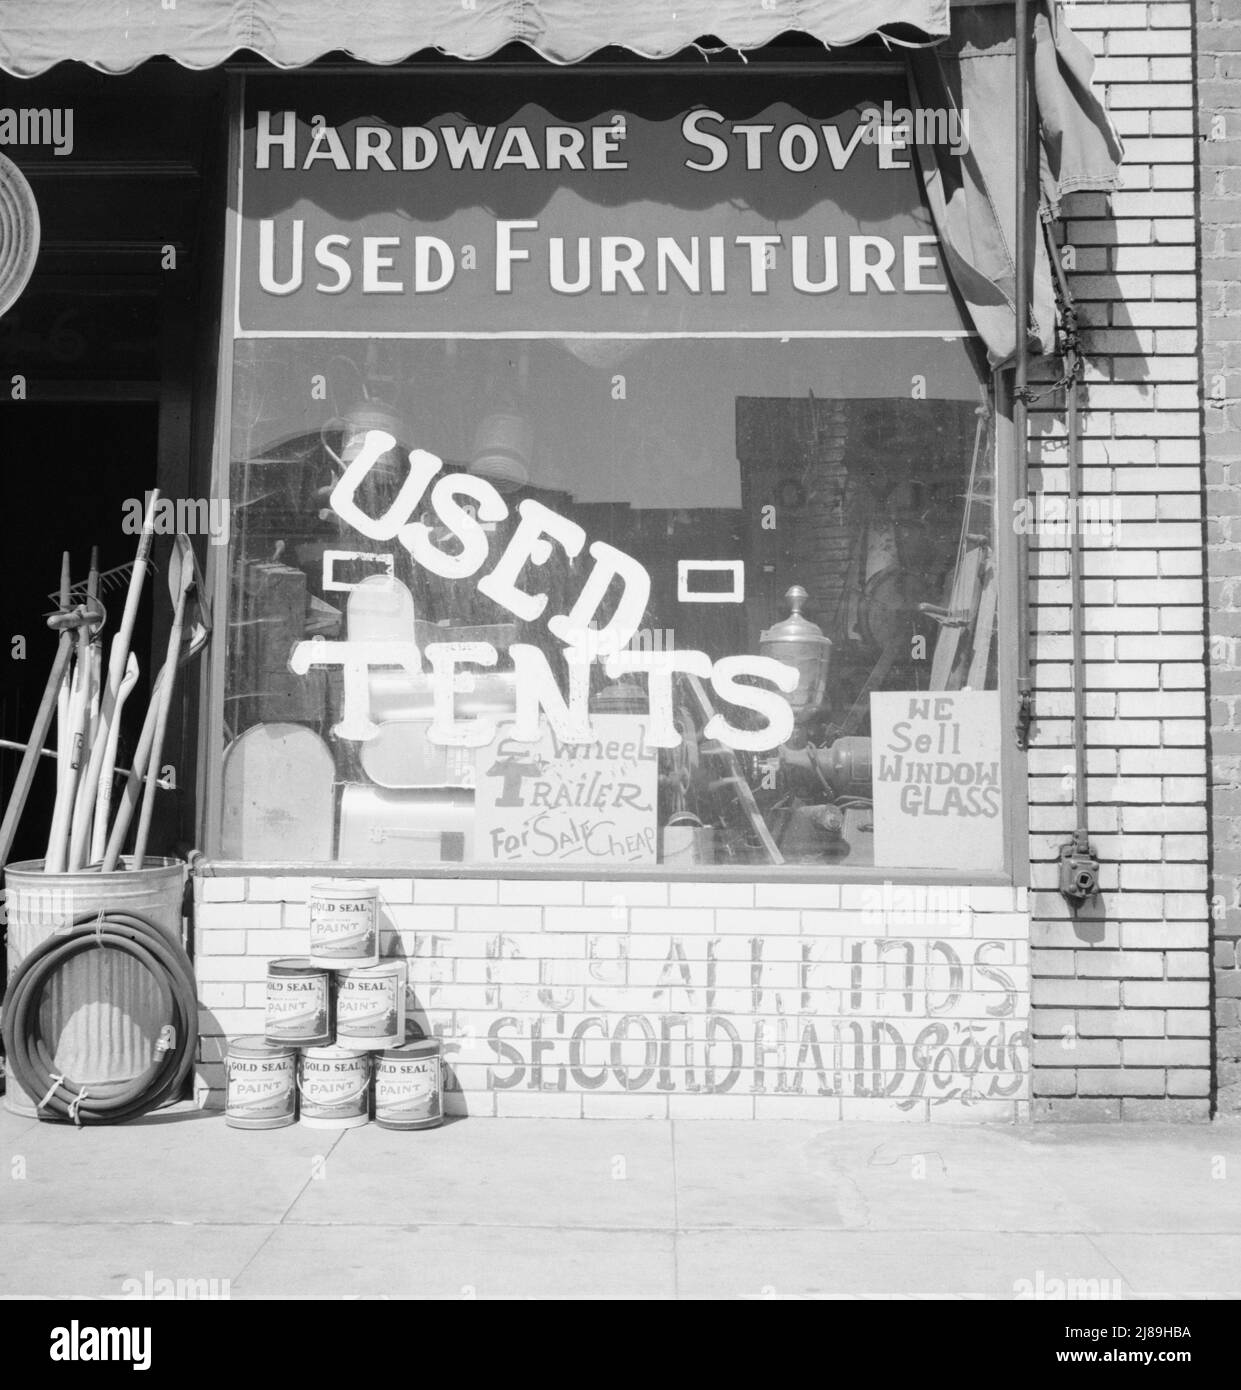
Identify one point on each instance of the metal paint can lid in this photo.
(333, 1052)
(255, 1045)
(395, 965)
(346, 888)
(415, 1047)
(295, 965)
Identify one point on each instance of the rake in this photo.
(108, 581)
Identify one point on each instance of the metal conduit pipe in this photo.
(1079, 869)
(1021, 305)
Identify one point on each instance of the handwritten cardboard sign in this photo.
(938, 799)
(557, 802)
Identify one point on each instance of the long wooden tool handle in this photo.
(133, 783)
(56, 860)
(62, 698)
(161, 726)
(80, 831)
(63, 737)
(34, 745)
(103, 797)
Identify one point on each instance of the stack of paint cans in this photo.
(336, 1048)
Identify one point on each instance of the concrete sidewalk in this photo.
(577, 1208)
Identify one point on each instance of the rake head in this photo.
(109, 580)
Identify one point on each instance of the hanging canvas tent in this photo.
(973, 196)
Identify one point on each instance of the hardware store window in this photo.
(611, 485)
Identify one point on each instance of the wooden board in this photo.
(963, 600)
(984, 629)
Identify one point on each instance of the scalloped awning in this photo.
(117, 35)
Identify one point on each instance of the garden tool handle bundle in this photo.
(118, 660)
(74, 628)
(88, 707)
(61, 1097)
(191, 634)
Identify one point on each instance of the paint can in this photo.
(299, 1003)
(260, 1079)
(344, 924)
(409, 1093)
(370, 1006)
(333, 1084)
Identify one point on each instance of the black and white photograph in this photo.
(620, 669)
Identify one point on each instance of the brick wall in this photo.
(1121, 1018)
(1219, 131)
(672, 1000)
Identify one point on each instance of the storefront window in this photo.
(610, 486)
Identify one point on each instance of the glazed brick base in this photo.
(672, 1000)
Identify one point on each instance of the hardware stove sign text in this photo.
(389, 217)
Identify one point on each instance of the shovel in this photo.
(180, 578)
(199, 630)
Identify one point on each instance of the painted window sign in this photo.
(787, 221)
(560, 429)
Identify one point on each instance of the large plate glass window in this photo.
(611, 484)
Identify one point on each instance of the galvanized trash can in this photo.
(103, 1008)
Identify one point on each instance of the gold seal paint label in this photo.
(367, 1005)
(334, 1087)
(342, 928)
(407, 1088)
(297, 1007)
(259, 1088)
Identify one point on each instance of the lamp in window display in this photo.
(800, 643)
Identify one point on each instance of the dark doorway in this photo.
(69, 468)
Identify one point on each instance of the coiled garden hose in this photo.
(60, 1097)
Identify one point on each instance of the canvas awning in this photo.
(961, 55)
(117, 35)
